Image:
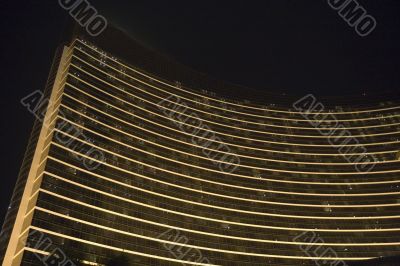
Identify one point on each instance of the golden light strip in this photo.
(189, 262)
(129, 217)
(218, 195)
(184, 133)
(127, 233)
(239, 175)
(134, 87)
(218, 100)
(114, 248)
(197, 146)
(230, 144)
(207, 113)
(246, 188)
(245, 138)
(224, 208)
(244, 176)
(36, 251)
(197, 156)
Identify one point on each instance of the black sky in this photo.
(291, 46)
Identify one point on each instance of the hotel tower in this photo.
(136, 159)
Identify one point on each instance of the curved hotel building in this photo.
(128, 164)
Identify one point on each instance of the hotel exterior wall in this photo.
(156, 177)
(14, 205)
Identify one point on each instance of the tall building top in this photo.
(150, 167)
(132, 52)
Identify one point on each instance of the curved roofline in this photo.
(119, 43)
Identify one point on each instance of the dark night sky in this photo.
(292, 46)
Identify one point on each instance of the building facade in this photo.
(125, 164)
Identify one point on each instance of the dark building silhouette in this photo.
(136, 158)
